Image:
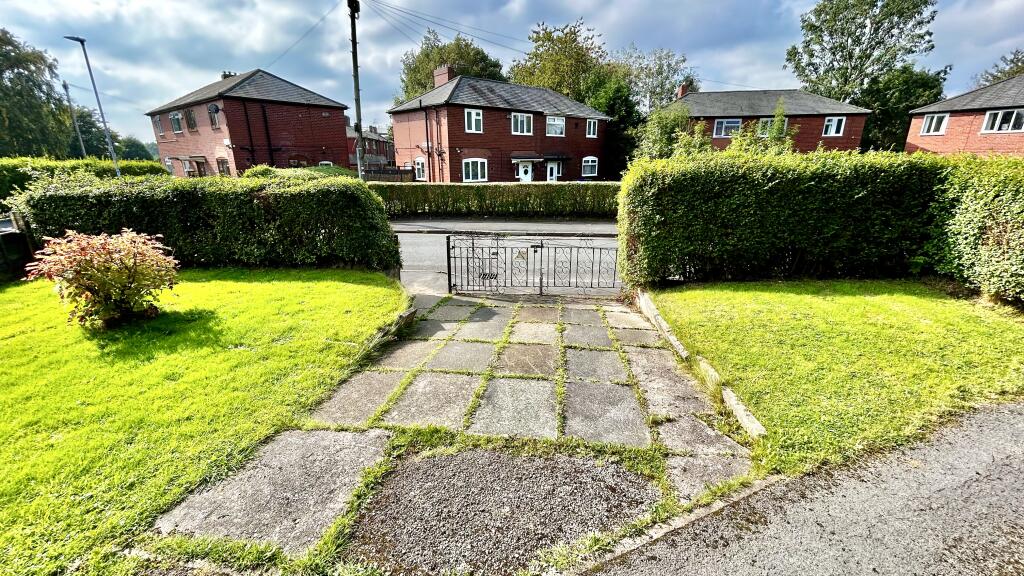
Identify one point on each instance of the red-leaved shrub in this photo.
(106, 279)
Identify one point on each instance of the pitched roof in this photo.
(1003, 94)
(253, 85)
(350, 132)
(762, 103)
(470, 91)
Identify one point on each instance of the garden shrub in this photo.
(106, 279)
(536, 199)
(741, 216)
(16, 173)
(216, 221)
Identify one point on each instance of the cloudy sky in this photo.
(147, 52)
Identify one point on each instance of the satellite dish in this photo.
(213, 108)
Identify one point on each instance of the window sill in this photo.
(474, 131)
(522, 134)
(555, 135)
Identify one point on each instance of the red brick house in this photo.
(474, 130)
(248, 119)
(819, 120)
(988, 120)
(378, 150)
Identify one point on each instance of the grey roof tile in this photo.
(254, 85)
(762, 103)
(1008, 93)
(470, 91)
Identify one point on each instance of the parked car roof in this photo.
(1007, 93)
(471, 91)
(762, 103)
(253, 85)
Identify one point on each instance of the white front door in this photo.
(552, 171)
(524, 171)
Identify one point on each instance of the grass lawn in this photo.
(838, 368)
(100, 433)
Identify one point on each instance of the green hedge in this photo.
(219, 221)
(722, 216)
(16, 172)
(541, 199)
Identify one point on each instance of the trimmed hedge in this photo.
(541, 199)
(221, 221)
(722, 216)
(15, 173)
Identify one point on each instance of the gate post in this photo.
(448, 258)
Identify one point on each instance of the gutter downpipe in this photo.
(426, 129)
(266, 128)
(248, 129)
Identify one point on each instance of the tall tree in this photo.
(847, 43)
(655, 75)
(461, 53)
(891, 97)
(33, 118)
(132, 148)
(611, 93)
(1008, 66)
(563, 58)
(658, 136)
(92, 135)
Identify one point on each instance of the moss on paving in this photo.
(103, 431)
(835, 369)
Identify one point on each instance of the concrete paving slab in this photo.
(432, 329)
(535, 332)
(604, 413)
(689, 434)
(358, 398)
(668, 390)
(532, 359)
(691, 475)
(582, 335)
(450, 313)
(627, 320)
(434, 399)
(491, 330)
(289, 494)
(405, 354)
(425, 301)
(470, 356)
(517, 407)
(632, 337)
(588, 316)
(538, 314)
(602, 365)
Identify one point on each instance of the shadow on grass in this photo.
(840, 288)
(359, 276)
(171, 331)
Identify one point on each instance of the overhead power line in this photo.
(304, 34)
(443, 25)
(427, 14)
(385, 18)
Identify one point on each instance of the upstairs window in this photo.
(421, 168)
(474, 170)
(1004, 121)
(556, 126)
(158, 125)
(175, 118)
(934, 124)
(834, 126)
(522, 124)
(590, 166)
(190, 119)
(214, 119)
(724, 127)
(591, 128)
(764, 126)
(474, 121)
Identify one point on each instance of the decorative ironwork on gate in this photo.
(498, 263)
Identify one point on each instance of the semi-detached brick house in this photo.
(818, 120)
(474, 130)
(988, 120)
(378, 150)
(248, 119)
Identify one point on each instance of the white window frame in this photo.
(169, 164)
(828, 130)
(420, 164)
(474, 116)
(591, 128)
(554, 121)
(764, 126)
(481, 168)
(175, 117)
(187, 169)
(158, 124)
(928, 126)
(558, 169)
(721, 124)
(997, 114)
(525, 119)
(214, 119)
(589, 161)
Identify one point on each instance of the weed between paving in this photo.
(489, 512)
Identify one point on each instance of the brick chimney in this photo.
(373, 129)
(226, 74)
(682, 90)
(443, 74)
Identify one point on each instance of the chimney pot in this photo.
(444, 73)
(226, 74)
(682, 90)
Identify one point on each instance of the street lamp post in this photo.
(103, 118)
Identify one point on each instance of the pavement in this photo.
(949, 506)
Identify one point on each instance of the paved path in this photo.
(576, 228)
(950, 506)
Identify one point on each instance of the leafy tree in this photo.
(33, 117)
(154, 152)
(92, 135)
(655, 75)
(462, 54)
(131, 148)
(891, 97)
(695, 140)
(1008, 66)
(658, 136)
(847, 43)
(777, 140)
(611, 93)
(564, 59)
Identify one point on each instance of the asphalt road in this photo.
(952, 505)
(576, 228)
